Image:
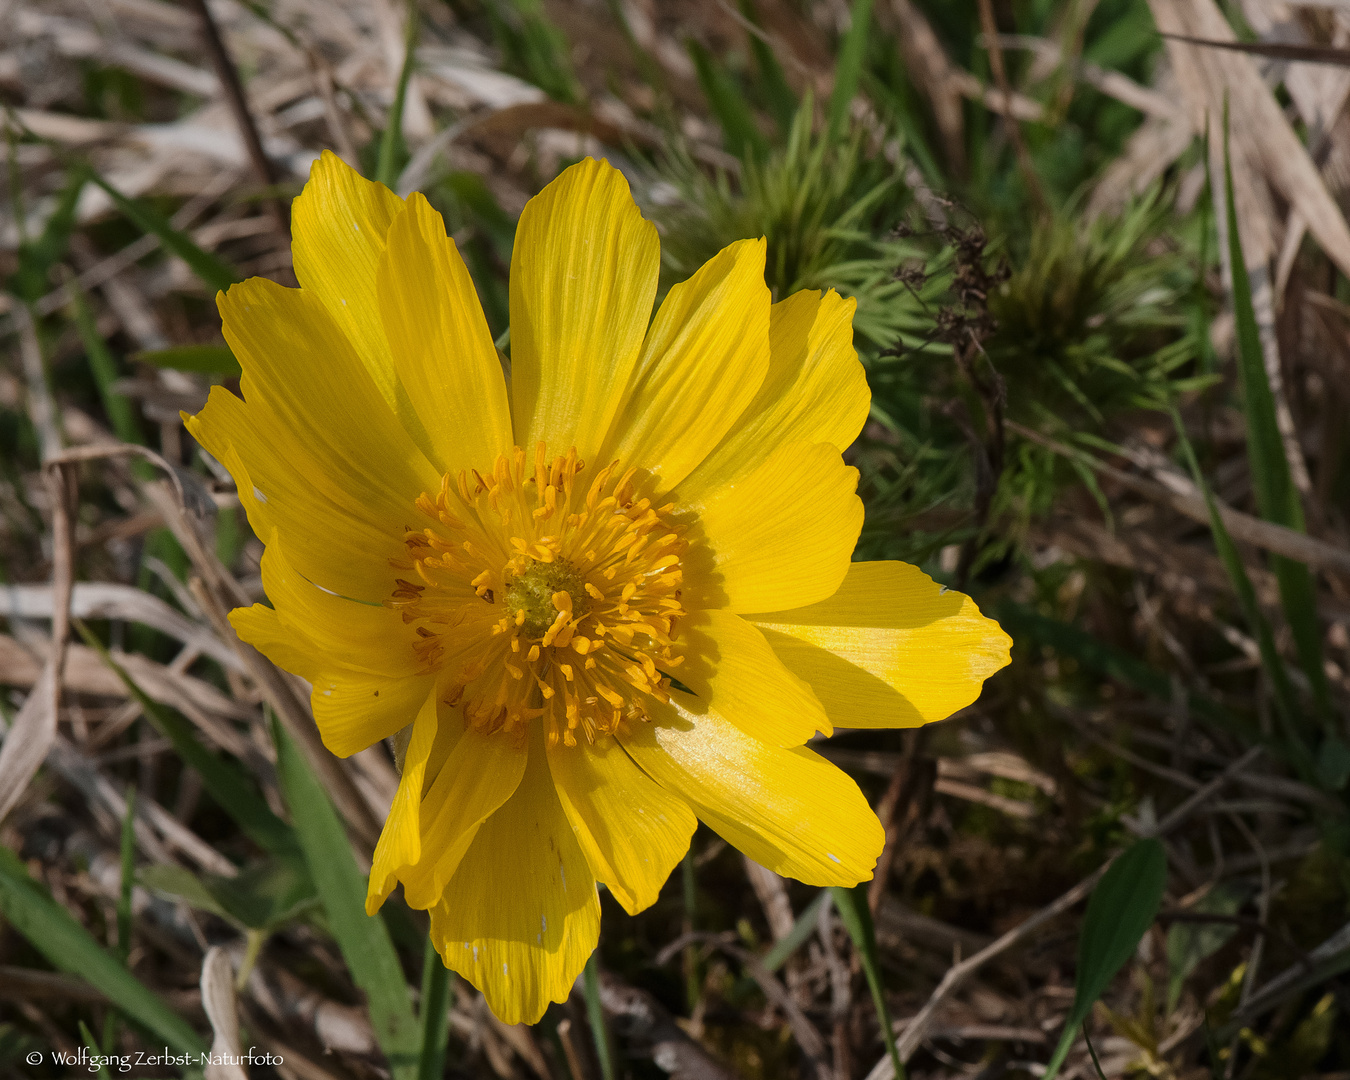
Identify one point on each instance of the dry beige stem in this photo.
(218, 1003)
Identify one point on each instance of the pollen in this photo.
(541, 593)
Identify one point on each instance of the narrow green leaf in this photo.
(1294, 747)
(1276, 497)
(364, 941)
(857, 919)
(226, 781)
(204, 359)
(128, 876)
(97, 1065)
(213, 271)
(69, 947)
(120, 412)
(261, 897)
(743, 137)
(595, 1016)
(798, 936)
(1121, 909)
(434, 1014)
(848, 68)
(391, 140)
(773, 84)
(38, 257)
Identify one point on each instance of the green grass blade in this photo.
(38, 257)
(213, 271)
(97, 1066)
(434, 1014)
(391, 140)
(1276, 497)
(1120, 911)
(69, 947)
(226, 782)
(743, 137)
(798, 936)
(364, 941)
(773, 84)
(128, 861)
(1295, 748)
(857, 919)
(595, 1016)
(204, 359)
(120, 411)
(848, 68)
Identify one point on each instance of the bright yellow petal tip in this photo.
(554, 588)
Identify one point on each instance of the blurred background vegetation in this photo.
(1103, 284)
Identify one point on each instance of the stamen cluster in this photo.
(541, 599)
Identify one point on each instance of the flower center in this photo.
(540, 597)
(533, 591)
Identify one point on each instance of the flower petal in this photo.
(701, 364)
(728, 664)
(400, 844)
(815, 390)
(441, 347)
(364, 637)
(788, 809)
(632, 830)
(353, 709)
(340, 222)
(779, 537)
(521, 915)
(891, 648)
(316, 453)
(583, 279)
(479, 775)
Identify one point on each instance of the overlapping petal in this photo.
(728, 664)
(521, 915)
(583, 278)
(632, 830)
(788, 809)
(815, 391)
(681, 402)
(400, 844)
(440, 345)
(780, 537)
(890, 648)
(326, 461)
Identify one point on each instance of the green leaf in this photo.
(69, 947)
(727, 101)
(120, 412)
(364, 941)
(178, 883)
(434, 1013)
(1294, 748)
(204, 359)
(800, 933)
(848, 67)
(213, 271)
(857, 919)
(773, 84)
(226, 781)
(260, 897)
(1276, 497)
(391, 140)
(128, 861)
(1120, 911)
(37, 257)
(595, 1017)
(1189, 944)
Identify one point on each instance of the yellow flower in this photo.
(611, 593)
